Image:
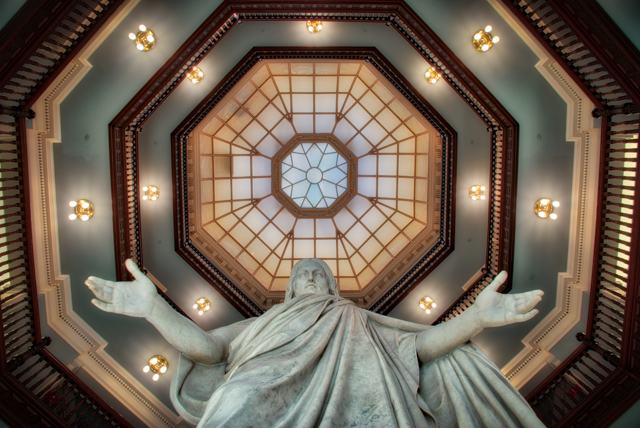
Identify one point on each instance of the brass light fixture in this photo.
(83, 209)
(544, 208)
(314, 26)
(477, 192)
(145, 39)
(203, 305)
(157, 365)
(150, 193)
(432, 75)
(426, 304)
(483, 40)
(196, 75)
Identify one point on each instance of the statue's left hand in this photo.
(133, 298)
(494, 309)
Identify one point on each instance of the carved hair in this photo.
(331, 280)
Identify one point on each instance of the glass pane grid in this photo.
(284, 99)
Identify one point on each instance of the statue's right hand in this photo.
(134, 298)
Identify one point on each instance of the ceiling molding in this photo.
(574, 283)
(53, 285)
(396, 279)
(123, 130)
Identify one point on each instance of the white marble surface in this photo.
(318, 360)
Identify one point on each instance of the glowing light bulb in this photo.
(146, 369)
(428, 311)
(195, 306)
(84, 217)
(542, 214)
(485, 48)
(163, 369)
(145, 188)
(488, 28)
(206, 308)
(85, 205)
(72, 216)
(153, 198)
(544, 201)
(433, 305)
(496, 39)
(421, 306)
(553, 216)
(139, 46)
(132, 36)
(474, 188)
(145, 197)
(477, 36)
(483, 197)
(556, 204)
(474, 198)
(156, 377)
(483, 188)
(73, 204)
(311, 29)
(150, 38)
(154, 360)
(200, 312)
(142, 28)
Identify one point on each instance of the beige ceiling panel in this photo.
(260, 75)
(279, 68)
(326, 68)
(205, 144)
(245, 92)
(301, 68)
(206, 191)
(325, 123)
(256, 103)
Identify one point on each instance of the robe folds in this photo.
(318, 360)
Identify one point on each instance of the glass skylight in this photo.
(314, 175)
(326, 105)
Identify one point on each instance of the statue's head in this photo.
(310, 276)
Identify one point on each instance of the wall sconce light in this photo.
(483, 40)
(145, 39)
(157, 365)
(426, 304)
(196, 75)
(203, 305)
(477, 192)
(83, 209)
(432, 75)
(314, 26)
(150, 192)
(544, 208)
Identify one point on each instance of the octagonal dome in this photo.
(287, 123)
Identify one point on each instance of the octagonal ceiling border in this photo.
(225, 276)
(124, 128)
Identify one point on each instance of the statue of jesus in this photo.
(319, 360)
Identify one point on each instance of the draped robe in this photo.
(318, 360)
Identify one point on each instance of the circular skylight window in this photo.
(314, 175)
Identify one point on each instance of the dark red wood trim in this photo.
(605, 40)
(509, 4)
(82, 386)
(28, 231)
(19, 408)
(26, 31)
(600, 207)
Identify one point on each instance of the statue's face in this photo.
(310, 279)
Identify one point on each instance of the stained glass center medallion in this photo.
(314, 175)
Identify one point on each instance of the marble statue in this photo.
(319, 360)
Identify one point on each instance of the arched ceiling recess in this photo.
(503, 129)
(399, 152)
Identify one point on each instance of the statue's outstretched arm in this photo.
(139, 298)
(491, 309)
